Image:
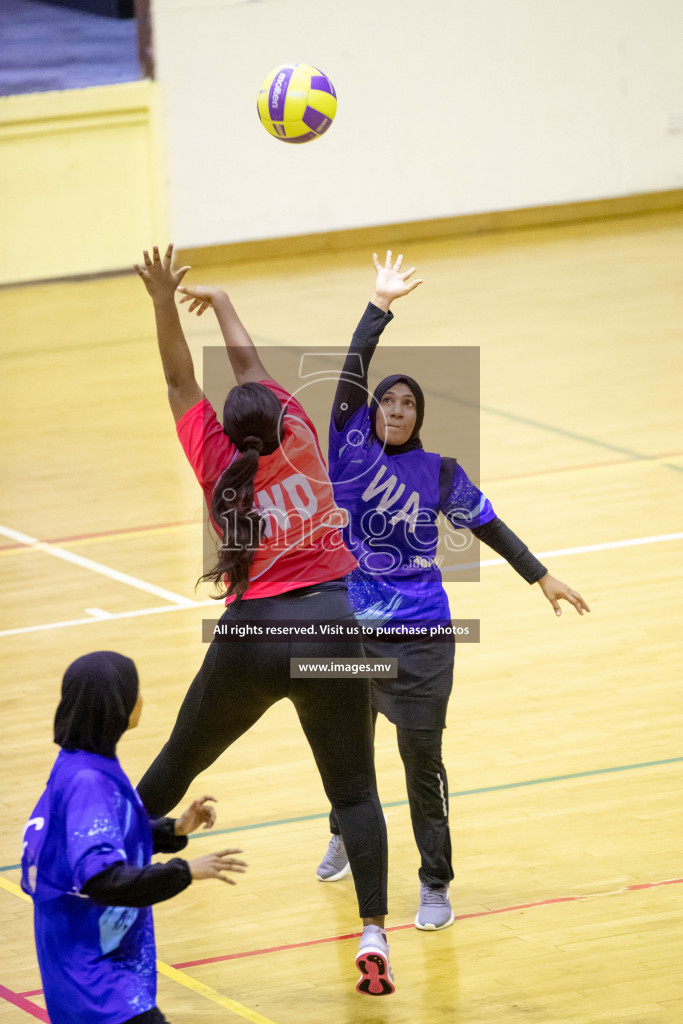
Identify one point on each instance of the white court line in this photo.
(109, 618)
(98, 567)
(98, 613)
(608, 545)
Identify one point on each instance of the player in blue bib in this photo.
(394, 491)
(87, 852)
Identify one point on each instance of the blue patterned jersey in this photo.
(393, 503)
(98, 964)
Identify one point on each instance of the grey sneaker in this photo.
(435, 909)
(335, 863)
(376, 976)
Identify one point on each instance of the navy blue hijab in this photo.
(99, 691)
(413, 441)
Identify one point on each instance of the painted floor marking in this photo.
(98, 613)
(136, 613)
(15, 889)
(549, 427)
(186, 602)
(583, 549)
(164, 528)
(21, 1003)
(609, 545)
(160, 528)
(490, 410)
(19, 999)
(538, 424)
(606, 464)
(98, 567)
(109, 535)
(458, 917)
(175, 974)
(499, 788)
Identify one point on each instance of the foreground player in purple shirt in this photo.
(87, 852)
(394, 491)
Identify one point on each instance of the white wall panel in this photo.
(446, 107)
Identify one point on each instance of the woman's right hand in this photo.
(391, 283)
(212, 865)
(201, 296)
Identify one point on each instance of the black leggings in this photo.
(153, 1016)
(427, 785)
(240, 680)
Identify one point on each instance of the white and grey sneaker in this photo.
(435, 908)
(376, 976)
(335, 863)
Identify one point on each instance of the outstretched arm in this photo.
(352, 389)
(506, 543)
(242, 353)
(463, 505)
(161, 282)
(123, 885)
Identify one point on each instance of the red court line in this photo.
(103, 533)
(583, 465)
(402, 927)
(18, 1000)
(357, 935)
(392, 928)
(191, 522)
(651, 885)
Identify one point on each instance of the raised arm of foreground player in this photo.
(244, 358)
(161, 282)
(352, 389)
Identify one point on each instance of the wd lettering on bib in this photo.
(292, 501)
(296, 535)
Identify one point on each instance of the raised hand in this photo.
(212, 865)
(201, 296)
(158, 275)
(556, 590)
(200, 812)
(391, 283)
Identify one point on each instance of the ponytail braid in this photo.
(232, 505)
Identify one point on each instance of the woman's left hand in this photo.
(198, 813)
(556, 590)
(201, 296)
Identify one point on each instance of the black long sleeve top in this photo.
(352, 394)
(124, 885)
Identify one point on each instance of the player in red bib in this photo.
(282, 557)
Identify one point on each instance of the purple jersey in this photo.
(393, 503)
(98, 964)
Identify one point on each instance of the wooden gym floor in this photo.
(563, 745)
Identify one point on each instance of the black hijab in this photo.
(99, 692)
(413, 441)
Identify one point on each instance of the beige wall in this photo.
(81, 186)
(446, 107)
